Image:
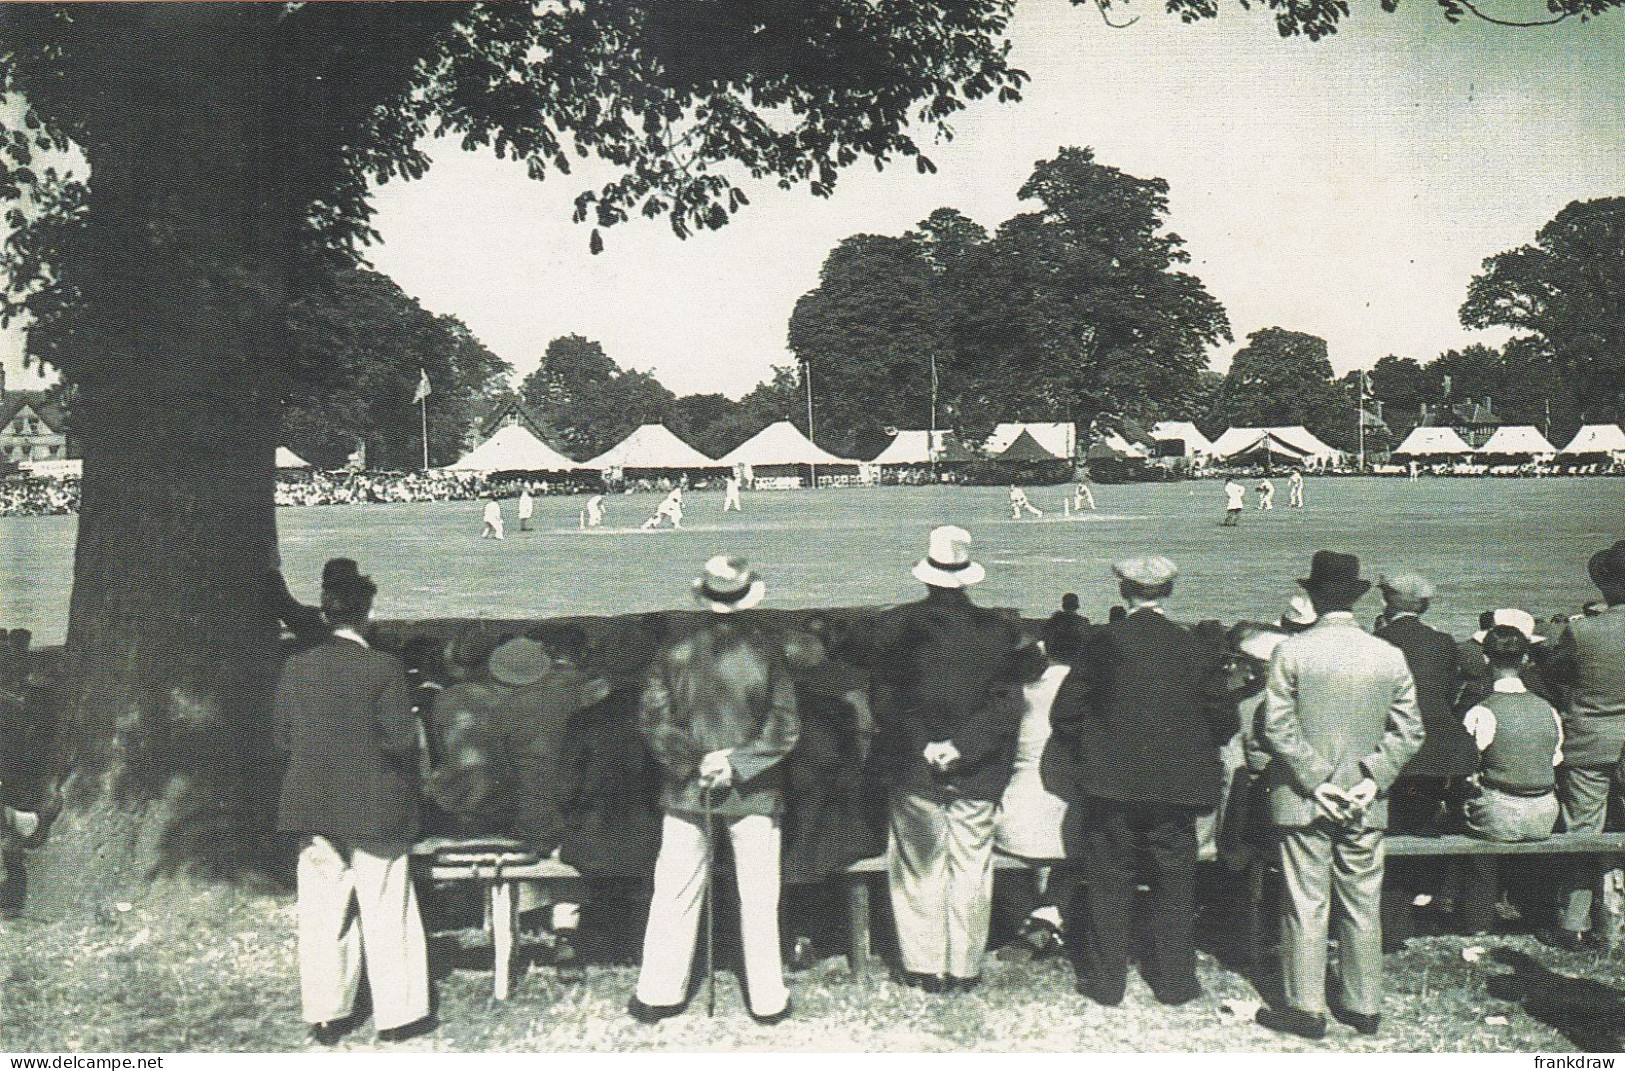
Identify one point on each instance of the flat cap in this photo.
(1148, 571)
(1406, 586)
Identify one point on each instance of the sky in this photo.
(1348, 188)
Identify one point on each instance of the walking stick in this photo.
(710, 912)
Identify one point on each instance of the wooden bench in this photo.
(498, 865)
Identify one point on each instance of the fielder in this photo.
(493, 521)
(1266, 494)
(1235, 501)
(527, 506)
(1083, 497)
(730, 500)
(1019, 502)
(1294, 490)
(595, 511)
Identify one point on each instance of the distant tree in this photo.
(358, 344)
(1563, 294)
(696, 417)
(1471, 374)
(590, 400)
(1402, 385)
(869, 332)
(1283, 377)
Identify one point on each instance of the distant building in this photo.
(1475, 422)
(33, 426)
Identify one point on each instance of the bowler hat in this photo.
(1335, 575)
(338, 570)
(519, 662)
(1608, 566)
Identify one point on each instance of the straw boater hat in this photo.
(727, 585)
(520, 662)
(1405, 588)
(1522, 620)
(947, 561)
(1300, 613)
(1335, 575)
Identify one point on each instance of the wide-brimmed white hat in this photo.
(1522, 620)
(727, 584)
(947, 561)
(1300, 612)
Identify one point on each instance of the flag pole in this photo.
(807, 381)
(423, 413)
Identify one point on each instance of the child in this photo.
(1520, 738)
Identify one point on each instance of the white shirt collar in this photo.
(1338, 615)
(1509, 686)
(345, 632)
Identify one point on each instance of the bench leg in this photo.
(1257, 869)
(860, 944)
(504, 934)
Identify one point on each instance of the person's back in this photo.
(945, 668)
(344, 718)
(1345, 683)
(1434, 659)
(1142, 690)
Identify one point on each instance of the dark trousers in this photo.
(1426, 806)
(1117, 838)
(1016, 894)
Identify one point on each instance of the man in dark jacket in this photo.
(344, 718)
(719, 715)
(947, 682)
(1427, 798)
(1142, 712)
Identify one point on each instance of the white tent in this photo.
(917, 448)
(513, 449)
(1518, 440)
(1058, 437)
(1432, 442)
(1292, 441)
(780, 444)
(652, 446)
(287, 459)
(1183, 431)
(1597, 439)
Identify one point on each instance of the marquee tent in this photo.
(514, 449)
(287, 459)
(1184, 432)
(922, 447)
(1293, 442)
(652, 446)
(1058, 438)
(1518, 440)
(1596, 439)
(1432, 442)
(1026, 447)
(780, 444)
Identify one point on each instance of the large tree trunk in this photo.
(164, 750)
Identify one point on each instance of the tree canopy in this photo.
(1283, 377)
(1070, 310)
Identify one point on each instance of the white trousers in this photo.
(676, 910)
(939, 863)
(355, 905)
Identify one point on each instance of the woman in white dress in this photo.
(1030, 816)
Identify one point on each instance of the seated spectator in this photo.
(1030, 815)
(1520, 738)
(1477, 677)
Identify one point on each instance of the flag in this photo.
(1447, 386)
(423, 387)
(1365, 385)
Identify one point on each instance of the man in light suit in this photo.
(1340, 721)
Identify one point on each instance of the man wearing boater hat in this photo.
(1340, 720)
(947, 684)
(1143, 720)
(1589, 663)
(719, 715)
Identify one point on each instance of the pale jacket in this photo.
(1339, 706)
